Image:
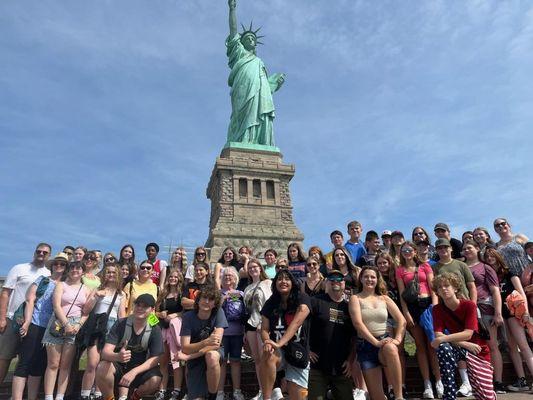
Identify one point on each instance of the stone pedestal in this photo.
(251, 202)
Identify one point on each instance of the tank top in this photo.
(316, 289)
(102, 305)
(171, 305)
(91, 283)
(375, 319)
(69, 298)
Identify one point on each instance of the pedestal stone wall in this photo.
(251, 202)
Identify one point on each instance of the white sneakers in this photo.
(359, 394)
(258, 396)
(277, 394)
(428, 393)
(465, 390)
(440, 389)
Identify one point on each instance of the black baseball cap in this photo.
(145, 298)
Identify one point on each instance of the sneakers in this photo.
(499, 388)
(237, 395)
(519, 386)
(175, 394)
(277, 394)
(359, 394)
(390, 394)
(220, 395)
(465, 390)
(160, 395)
(428, 393)
(440, 389)
(258, 396)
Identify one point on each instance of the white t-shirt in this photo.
(19, 278)
(189, 274)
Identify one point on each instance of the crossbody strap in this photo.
(75, 298)
(112, 303)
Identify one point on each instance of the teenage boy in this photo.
(160, 266)
(354, 245)
(466, 288)
(130, 357)
(386, 238)
(13, 294)
(442, 231)
(373, 248)
(336, 240)
(331, 333)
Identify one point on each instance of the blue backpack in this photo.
(234, 307)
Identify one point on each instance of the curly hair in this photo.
(447, 278)
(211, 293)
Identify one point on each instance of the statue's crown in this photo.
(250, 31)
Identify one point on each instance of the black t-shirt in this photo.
(332, 332)
(200, 329)
(171, 305)
(280, 319)
(138, 355)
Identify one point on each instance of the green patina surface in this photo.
(252, 105)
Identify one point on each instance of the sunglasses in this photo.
(145, 268)
(407, 251)
(43, 252)
(59, 264)
(311, 264)
(91, 258)
(335, 278)
(500, 224)
(109, 259)
(419, 233)
(200, 254)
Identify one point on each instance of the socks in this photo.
(48, 397)
(427, 384)
(123, 398)
(60, 396)
(464, 375)
(85, 393)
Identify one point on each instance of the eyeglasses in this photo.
(145, 268)
(407, 251)
(500, 224)
(335, 278)
(43, 252)
(68, 253)
(419, 233)
(312, 263)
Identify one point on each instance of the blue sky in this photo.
(395, 113)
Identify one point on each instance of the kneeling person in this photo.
(130, 357)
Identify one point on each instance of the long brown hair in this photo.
(500, 266)
(166, 287)
(381, 286)
(103, 281)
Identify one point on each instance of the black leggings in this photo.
(32, 354)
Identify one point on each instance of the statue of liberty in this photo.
(252, 107)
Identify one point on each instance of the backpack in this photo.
(234, 308)
(18, 315)
(128, 333)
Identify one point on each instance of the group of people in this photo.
(316, 325)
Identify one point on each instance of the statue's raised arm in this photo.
(252, 106)
(232, 17)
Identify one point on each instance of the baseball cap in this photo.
(441, 225)
(442, 242)
(147, 299)
(386, 233)
(335, 272)
(397, 233)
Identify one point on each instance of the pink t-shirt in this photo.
(423, 271)
(69, 294)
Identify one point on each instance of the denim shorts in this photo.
(368, 354)
(232, 347)
(299, 376)
(49, 340)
